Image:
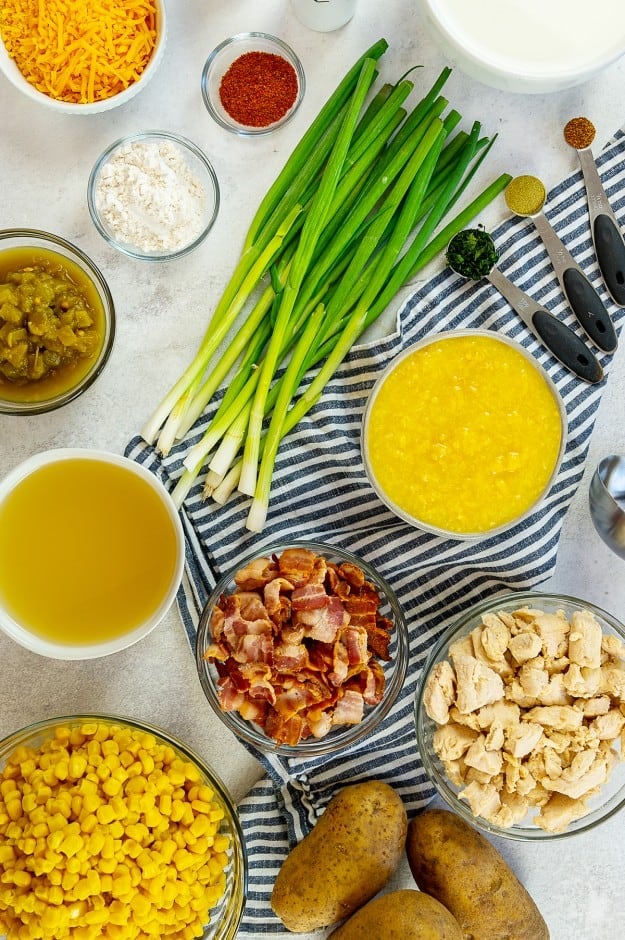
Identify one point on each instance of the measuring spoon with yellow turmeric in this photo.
(525, 196)
(472, 254)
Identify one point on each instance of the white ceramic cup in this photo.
(324, 15)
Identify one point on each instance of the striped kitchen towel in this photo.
(321, 493)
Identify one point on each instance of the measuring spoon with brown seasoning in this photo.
(525, 196)
(607, 237)
(472, 254)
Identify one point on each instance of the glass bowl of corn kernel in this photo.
(115, 827)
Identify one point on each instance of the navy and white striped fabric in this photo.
(320, 492)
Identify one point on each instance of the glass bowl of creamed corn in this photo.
(111, 827)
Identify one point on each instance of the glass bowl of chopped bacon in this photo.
(302, 649)
(87, 58)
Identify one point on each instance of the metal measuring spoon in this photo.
(607, 237)
(607, 502)
(562, 342)
(525, 196)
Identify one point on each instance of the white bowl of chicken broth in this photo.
(91, 553)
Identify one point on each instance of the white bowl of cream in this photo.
(529, 46)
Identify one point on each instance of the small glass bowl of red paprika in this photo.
(252, 84)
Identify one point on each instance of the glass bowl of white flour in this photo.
(153, 195)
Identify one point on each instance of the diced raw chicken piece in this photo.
(582, 681)
(489, 762)
(560, 717)
(553, 630)
(555, 692)
(476, 685)
(522, 739)
(559, 812)
(525, 646)
(585, 640)
(609, 726)
(503, 713)
(451, 741)
(613, 681)
(533, 681)
(440, 692)
(483, 799)
(495, 637)
(574, 786)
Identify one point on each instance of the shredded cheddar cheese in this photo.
(79, 50)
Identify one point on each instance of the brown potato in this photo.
(453, 862)
(344, 861)
(400, 915)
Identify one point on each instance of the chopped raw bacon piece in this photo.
(349, 709)
(256, 573)
(323, 623)
(309, 597)
(297, 645)
(297, 565)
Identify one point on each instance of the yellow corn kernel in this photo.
(56, 895)
(14, 808)
(7, 853)
(70, 880)
(121, 886)
(21, 878)
(105, 814)
(183, 859)
(111, 786)
(221, 843)
(110, 747)
(71, 844)
(55, 839)
(89, 823)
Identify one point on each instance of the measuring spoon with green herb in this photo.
(472, 254)
(525, 196)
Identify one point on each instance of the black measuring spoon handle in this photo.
(589, 309)
(610, 250)
(567, 347)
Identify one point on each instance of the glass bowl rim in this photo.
(348, 735)
(240, 886)
(231, 125)
(451, 334)
(186, 145)
(75, 253)
(509, 600)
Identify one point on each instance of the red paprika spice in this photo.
(258, 88)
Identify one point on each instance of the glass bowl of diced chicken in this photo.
(520, 716)
(302, 649)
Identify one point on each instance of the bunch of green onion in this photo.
(349, 221)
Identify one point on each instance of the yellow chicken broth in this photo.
(464, 434)
(87, 551)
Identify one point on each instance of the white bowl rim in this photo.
(483, 58)
(11, 71)
(420, 344)
(185, 144)
(44, 647)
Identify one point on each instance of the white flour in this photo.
(149, 198)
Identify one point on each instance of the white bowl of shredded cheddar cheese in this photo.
(66, 72)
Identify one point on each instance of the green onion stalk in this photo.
(361, 205)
